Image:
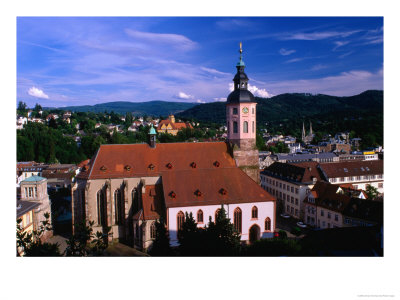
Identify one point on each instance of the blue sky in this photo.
(75, 61)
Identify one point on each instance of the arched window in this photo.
(216, 214)
(199, 216)
(245, 127)
(153, 230)
(252, 111)
(119, 207)
(180, 218)
(254, 212)
(235, 127)
(252, 126)
(267, 224)
(101, 208)
(237, 219)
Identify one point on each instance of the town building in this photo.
(171, 126)
(331, 206)
(26, 212)
(128, 187)
(303, 157)
(59, 175)
(34, 190)
(289, 183)
(359, 173)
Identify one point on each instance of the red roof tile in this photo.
(354, 168)
(153, 206)
(186, 184)
(146, 161)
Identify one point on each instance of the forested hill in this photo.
(152, 108)
(293, 106)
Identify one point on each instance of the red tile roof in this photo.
(354, 168)
(212, 186)
(133, 160)
(326, 196)
(176, 125)
(153, 206)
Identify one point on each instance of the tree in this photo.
(22, 108)
(38, 107)
(372, 192)
(161, 246)
(30, 244)
(221, 236)
(84, 242)
(260, 143)
(190, 241)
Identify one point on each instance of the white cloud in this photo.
(35, 92)
(177, 40)
(200, 101)
(182, 95)
(255, 90)
(259, 92)
(221, 99)
(294, 60)
(339, 44)
(318, 67)
(285, 52)
(318, 35)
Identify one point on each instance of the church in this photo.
(128, 187)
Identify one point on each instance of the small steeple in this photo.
(310, 129)
(152, 137)
(303, 134)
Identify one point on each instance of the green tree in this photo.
(260, 143)
(84, 242)
(161, 245)
(221, 237)
(372, 192)
(38, 107)
(22, 109)
(190, 241)
(30, 244)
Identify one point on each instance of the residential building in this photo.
(317, 157)
(26, 212)
(359, 173)
(289, 183)
(330, 206)
(171, 126)
(60, 175)
(34, 190)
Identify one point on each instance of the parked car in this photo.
(301, 224)
(286, 216)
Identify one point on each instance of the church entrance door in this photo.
(254, 233)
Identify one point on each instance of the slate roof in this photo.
(25, 206)
(303, 172)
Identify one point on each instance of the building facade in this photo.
(130, 187)
(290, 183)
(241, 123)
(34, 190)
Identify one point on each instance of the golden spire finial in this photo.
(240, 44)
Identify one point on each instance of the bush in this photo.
(296, 231)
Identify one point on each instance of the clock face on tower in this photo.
(245, 110)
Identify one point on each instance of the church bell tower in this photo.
(241, 122)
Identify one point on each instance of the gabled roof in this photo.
(153, 205)
(303, 172)
(326, 195)
(134, 160)
(352, 168)
(212, 186)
